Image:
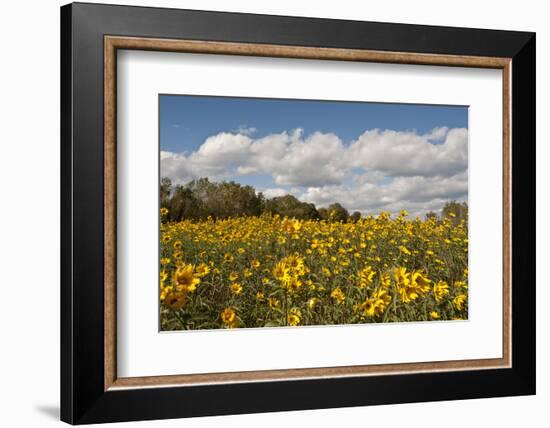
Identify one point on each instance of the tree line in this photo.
(202, 198)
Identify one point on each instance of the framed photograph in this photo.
(265, 213)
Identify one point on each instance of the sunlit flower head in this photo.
(313, 303)
(273, 303)
(338, 295)
(175, 300)
(185, 279)
(294, 317)
(236, 288)
(401, 276)
(441, 289)
(460, 301)
(202, 270)
(291, 226)
(421, 281)
(280, 272)
(366, 276)
(229, 317)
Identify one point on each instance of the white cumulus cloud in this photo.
(274, 192)
(409, 154)
(415, 194)
(380, 170)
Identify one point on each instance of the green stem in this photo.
(183, 323)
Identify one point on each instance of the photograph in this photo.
(280, 210)
(289, 213)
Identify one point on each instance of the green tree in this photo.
(226, 198)
(455, 211)
(355, 217)
(165, 190)
(201, 198)
(289, 206)
(338, 212)
(323, 213)
(184, 204)
(431, 215)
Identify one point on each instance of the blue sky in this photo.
(320, 151)
(186, 121)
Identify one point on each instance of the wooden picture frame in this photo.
(91, 390)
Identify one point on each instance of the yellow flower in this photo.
(165, 261)
(177, 245)
(376, 305)
(260, 296)
(295, 263)
(291, 226)
(236, 288)
(163, 211)
(233, 276)
(366, 276)
(294, 317)
(441, 289)
(229, 317)
(327, 272)
(165, 291)
(185, 279)
(228, 258)
(338, 295)
(385, 280)
(293, 285)
(420, 281)
(461, 284)
(401, 277)
(175, 300)
(368, 308)
(382, 296)
(202, 270)
(280, 272)
(255, 263)
(273, 302)
(460, 301)
(434, 315)
(409, 293)
(312, 303)
(404, 250)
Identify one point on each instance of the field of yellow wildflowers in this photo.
(268, 271)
